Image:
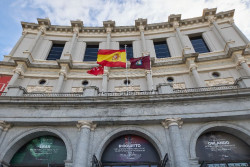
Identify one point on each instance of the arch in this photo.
(19, 140)
(218, 126)
(130, 130)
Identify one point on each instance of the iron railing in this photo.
(212, 89)
(78, 94)
(127, 93)
(206, 89)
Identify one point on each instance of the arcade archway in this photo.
(130, 151)
(43, 151)
(217, 148)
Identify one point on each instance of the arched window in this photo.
(44, 151)
(222, 149)
(130, 151)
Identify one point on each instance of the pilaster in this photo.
(141, 24)
(62, 76)
(19, 70)
(109, 26)
(172, 125)
(171, 122)
(241, 62)
(82, 152)
(149, 79)
(192, 66)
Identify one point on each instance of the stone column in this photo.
(149, 79)
(141, 24)
(242, 62)
(193, 69)
(184, 46)
(4, 126)
(180, 157)
(198, 80)
(62, 75)
(108, 37)
(243, 37)
(105, 80)
(72, 43)
(33, 45)
(20, 69)
(18, 43)
(244, 65)
(81, 156)
(144, 47)
(14, 77)
(211, 20)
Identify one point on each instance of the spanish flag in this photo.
(112, 58)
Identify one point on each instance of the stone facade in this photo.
(206, 92)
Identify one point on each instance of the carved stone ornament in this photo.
(193, 67)
(172, 122)
(44, 89)
(127, 88)
(42, 29)
(77, 89)
(141, 28)
(220, 81)
(109, 29)
(17, 71)
(76, 30)
(231, 21)
(211, 19)
(248, 45)
(179, 85)
(148, 72)
(176, 24)
(5, 126)
(62, 73)
(24, 32)
(86, 124)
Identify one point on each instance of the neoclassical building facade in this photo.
(190, 109)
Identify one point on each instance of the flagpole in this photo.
(126, 67)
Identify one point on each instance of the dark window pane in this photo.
(55, 52)
(129, 50)
(91, 53)
(161, 49)
(199, 44)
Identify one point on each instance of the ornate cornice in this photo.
(140, 24)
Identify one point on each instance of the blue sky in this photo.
(94, 12)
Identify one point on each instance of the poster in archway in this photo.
(130, 148)
(221, 146)
(41, 150)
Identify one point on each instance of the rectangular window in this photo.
(129, 50)
(161, 49)
(199, 44)
(55, 52)
(91, 53)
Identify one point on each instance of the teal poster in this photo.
(41, 150)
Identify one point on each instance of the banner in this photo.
(130, 148)
(4, 80)
(220, 146)
(41, 150)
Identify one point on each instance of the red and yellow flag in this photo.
(112, 58)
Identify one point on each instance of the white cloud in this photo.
(94, 12)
